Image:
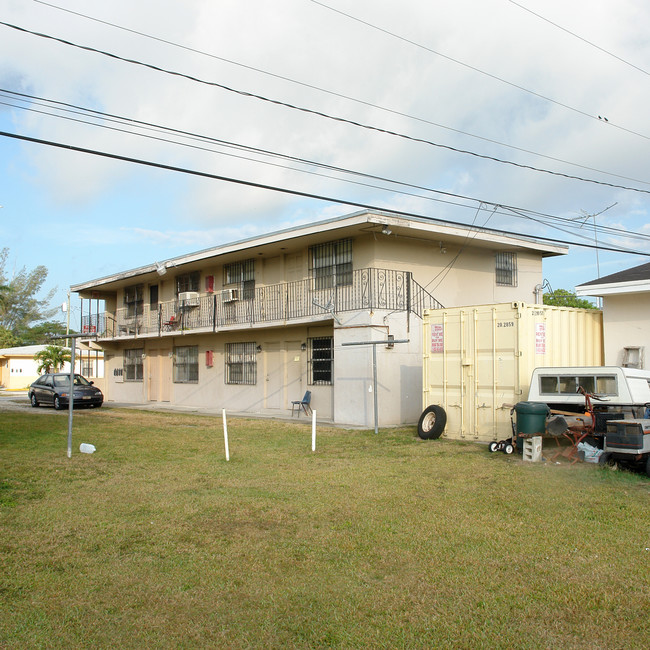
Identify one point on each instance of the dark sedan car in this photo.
(55, 389)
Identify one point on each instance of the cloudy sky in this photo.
(436, 108)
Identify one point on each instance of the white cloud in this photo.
(303, 41)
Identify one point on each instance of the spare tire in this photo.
(432, 422)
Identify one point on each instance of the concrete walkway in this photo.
(17, 400)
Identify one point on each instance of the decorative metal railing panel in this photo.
(369, 289)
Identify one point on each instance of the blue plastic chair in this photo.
(303, 404)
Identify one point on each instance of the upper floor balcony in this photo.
(309, 300)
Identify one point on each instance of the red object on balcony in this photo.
(209, 283)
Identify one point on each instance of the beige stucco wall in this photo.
(471, 279)
(281, 372)
(625, 321)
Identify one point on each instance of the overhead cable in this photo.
(540, 217)
(483, 72)
(320, 113)
(334, 93)
(584, 40)
(284, 190)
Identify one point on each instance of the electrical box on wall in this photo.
(209, 358)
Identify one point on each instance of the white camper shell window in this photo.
(569, 384)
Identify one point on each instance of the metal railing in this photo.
(369, 289)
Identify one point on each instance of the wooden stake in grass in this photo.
(225, 434)
(313, 430)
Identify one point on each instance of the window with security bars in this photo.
(134, 300)
(132, 364)
(186, 364)
(321, 360)
(331, 264)
(241, 363)
(188, 282)
(88, 368)
(506, 269)
(242, 274)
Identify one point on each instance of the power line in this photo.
(320, 113)
(283, 190)
(334, 93)
(584, 40)
(540, 217)
(475, 69)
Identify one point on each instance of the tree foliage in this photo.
(42, 333)
(7, 339)
(20, 307)
(52, 358)
(565, 298)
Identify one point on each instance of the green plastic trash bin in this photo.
(531, 418)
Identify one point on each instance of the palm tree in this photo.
(52, 358)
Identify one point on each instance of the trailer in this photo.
(627, 442)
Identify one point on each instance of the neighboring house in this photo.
(18, 368)
(626, 315)
(250, 326)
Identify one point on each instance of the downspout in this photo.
(539, 294)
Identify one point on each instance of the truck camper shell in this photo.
(617, 389)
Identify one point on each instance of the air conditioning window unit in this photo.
(229, 295)
(189, 297)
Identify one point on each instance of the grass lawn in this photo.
(380, 541)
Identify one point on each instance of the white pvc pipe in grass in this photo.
(313, 430)
(225, 433)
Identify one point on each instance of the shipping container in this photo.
(478, 361)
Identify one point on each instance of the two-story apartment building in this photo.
(250, 326)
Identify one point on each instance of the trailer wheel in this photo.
(493, 446)
(508, 449)
(432, 422)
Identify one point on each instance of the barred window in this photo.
(506, 269)
(186, 364)
(242, 274)
(321, 360)
(188, 282)
(331, 264)
(241, 363)
(134, 300)
(132, 364)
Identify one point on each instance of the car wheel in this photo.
(33, 400)
(57, 403)
(432, 422)
(647, 467)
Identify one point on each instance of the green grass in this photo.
(373, 541)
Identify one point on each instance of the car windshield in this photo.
(64, 380)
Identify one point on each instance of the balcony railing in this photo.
(277, 303)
